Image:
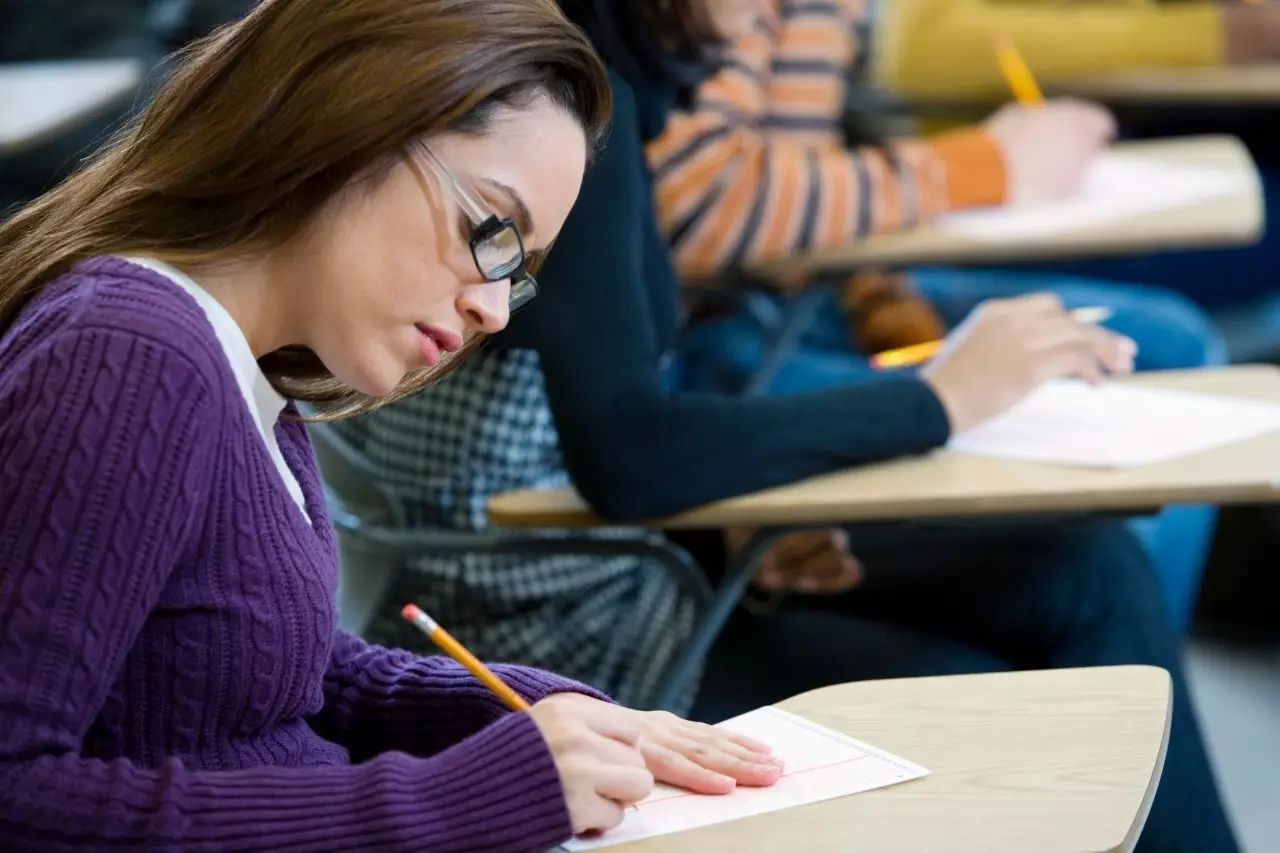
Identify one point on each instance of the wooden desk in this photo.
(39, 100)
(1253, 85)
(1055, 761)
(955, 485)
(1256, 85)
(1227, 220)
(941, 485)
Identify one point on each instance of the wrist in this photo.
(976, 167)
(952, 403)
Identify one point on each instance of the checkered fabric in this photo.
(612, 622)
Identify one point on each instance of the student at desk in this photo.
(297, 214)
(585, 384)
(753, 167)
(942, 48)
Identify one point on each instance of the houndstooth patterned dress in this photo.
(612, 622)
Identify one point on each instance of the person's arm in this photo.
(943, 48)
(754, 169)
(633, 448)
(102, 481)
(379, 699)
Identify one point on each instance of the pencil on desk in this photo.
(1024, 86)
(920, 353)
(458, 652)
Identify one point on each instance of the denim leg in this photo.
(724, 354)
(1044, 595)
(1171, 333)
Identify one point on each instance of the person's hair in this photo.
(682, 26)
(266, 119)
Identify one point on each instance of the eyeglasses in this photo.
(495, 242)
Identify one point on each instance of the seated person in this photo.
(754, 168)
(585, 386)
(171, 675)
(942, 49)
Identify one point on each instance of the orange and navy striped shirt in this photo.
(757, 169)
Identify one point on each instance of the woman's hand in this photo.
(1047, 148)
(807, 561)
(1006, 348)
(609, 756)
(703, 758)
(595, 746)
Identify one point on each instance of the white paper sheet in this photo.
(1116, 187)
(1115, 425)
(821, 764)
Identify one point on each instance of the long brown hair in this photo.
(266, 119)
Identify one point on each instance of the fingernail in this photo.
(1130, 346)
(807, 585)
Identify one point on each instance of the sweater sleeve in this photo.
(942, 48)
(638, 450)
(101, 474)
(379, 699)
(755, 169)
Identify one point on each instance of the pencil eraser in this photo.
(410, 612)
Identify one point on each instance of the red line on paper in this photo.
(681, 796)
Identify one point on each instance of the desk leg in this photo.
(708, 627)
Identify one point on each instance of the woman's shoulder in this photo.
(107, 305)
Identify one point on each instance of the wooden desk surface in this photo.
(1051, 761)
(41, 99)
(1256, 84)
(945, 484)
(1227, 86)
(1227, 220)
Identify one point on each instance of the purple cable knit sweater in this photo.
(170, 671)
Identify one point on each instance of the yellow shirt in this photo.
(943, 48)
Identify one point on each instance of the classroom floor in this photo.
(1237, 691)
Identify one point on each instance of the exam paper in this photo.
(1115, 425)
(821, 764)
(1115, 187)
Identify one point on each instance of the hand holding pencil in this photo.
(1006, 348)
(608, 756)
(1046, 146)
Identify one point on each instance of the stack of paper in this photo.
(820, 764)
(1116, 187)
(1116, 425)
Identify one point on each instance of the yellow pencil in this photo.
(458, 652)
(920, 353)
(1024, 86)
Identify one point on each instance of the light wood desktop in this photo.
(954, 485)
(39, 100)
(1227, 220)
(1228, 86)
(1256, 85)
(1052, 761)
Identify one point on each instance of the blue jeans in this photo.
(983, 597)
(1171, 333)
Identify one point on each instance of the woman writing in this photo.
(323, 203)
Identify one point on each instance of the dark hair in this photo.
(266, 119)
